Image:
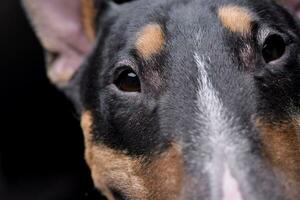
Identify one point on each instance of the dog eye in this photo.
(273, 48)
(128, 81)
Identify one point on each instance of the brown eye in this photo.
(128, 81)
(273, 48)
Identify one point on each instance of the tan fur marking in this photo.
(236, 19)
(86, 122)
(151, 178)
(113, 169)
(150, 40)
(163, 177)
(88, 15)
(86, 125)
(137, 177)
(282, 148)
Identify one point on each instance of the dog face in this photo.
(183, 99)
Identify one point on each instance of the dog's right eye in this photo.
(128, 81)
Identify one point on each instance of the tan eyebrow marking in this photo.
(235, 18)
(150, 40)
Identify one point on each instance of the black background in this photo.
(41, 144)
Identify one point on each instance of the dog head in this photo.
(180, 99)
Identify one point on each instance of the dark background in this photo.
(41, 144)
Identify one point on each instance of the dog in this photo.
(180, 99)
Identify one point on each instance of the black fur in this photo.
(145, 123)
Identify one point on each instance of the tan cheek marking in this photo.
(88, 16)
(86, 125)
(109, 167)
(163, 177)
(114, 169)
(138, 178)
(150, 40)
(236, 19)
(155, 178)
(86, 122)
(282, 148)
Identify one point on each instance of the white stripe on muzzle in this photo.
(217, 124)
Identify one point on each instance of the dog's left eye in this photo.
(128, 81)
(273, 48)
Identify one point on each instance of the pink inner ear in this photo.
(59, 26)
(64, 18)
(64, 66)
(293, 5)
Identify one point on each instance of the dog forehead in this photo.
(149, 28)
(198, 13)
(190, 26)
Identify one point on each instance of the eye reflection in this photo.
(128, 81)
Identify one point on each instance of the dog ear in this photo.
(66, 29)
(292, 5)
